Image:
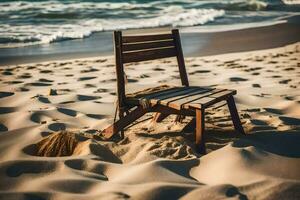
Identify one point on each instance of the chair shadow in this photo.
(283, 143)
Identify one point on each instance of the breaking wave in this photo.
(35, 22)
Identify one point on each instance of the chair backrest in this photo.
(136, 48)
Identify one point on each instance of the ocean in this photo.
(24, 23)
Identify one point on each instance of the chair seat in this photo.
(182, 97)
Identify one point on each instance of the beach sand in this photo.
(153, 161)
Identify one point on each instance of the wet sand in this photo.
(194, 43)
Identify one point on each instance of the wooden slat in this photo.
(153, 100)
(147, 45)
(183, 103)
(148, 55)
(163, 92)
(174, 94)
(173, 101)
(211, 99)
(145, 98)
(144, 38)
(199, 103)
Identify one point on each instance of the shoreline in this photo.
(194, 44)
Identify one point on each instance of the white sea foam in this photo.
(291, 2)
(249, 4)
(36, 22)
(46, 33)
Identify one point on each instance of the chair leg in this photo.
(234, 115)
(179, 118)
(121, 116)
(158, 117)
(123, 122)
(200, 128)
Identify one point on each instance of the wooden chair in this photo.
(184, 100)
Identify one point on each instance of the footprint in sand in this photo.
(39, 117)
(252, 110)
(31, 67)
(276, 76)
(259, 122)
(39, 84)
(18, 168)
(255, 85)
(285, 81)
(67, 102)
(289, 69)
(200, 72)
(6, 110)
(3, 128)
(57, 126)
(6, 94)
(45, 80)
(130, 80)
(41, 99)
(62, 83)
(290, 98)
(66, 111)
(13, 82)
(270, 70)
(108, 80)
(86, 98)
(96, 116)
(89, 70)
(46, 133)
(24, 76)
(158, 69)
(101, 90)
(46, 71)
(144, 76)
(100, 60)
(89, 85)
(86, 78)
(272, 62)
(290, 120)
(253, 69)
(262, 95)
(22, 89)
(237, 79)
(274, 111)
(259, 60)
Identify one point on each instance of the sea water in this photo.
(25, 23)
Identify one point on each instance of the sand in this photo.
(70, 102)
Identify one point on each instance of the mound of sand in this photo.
(62, 143)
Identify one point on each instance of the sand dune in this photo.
(70, 102)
